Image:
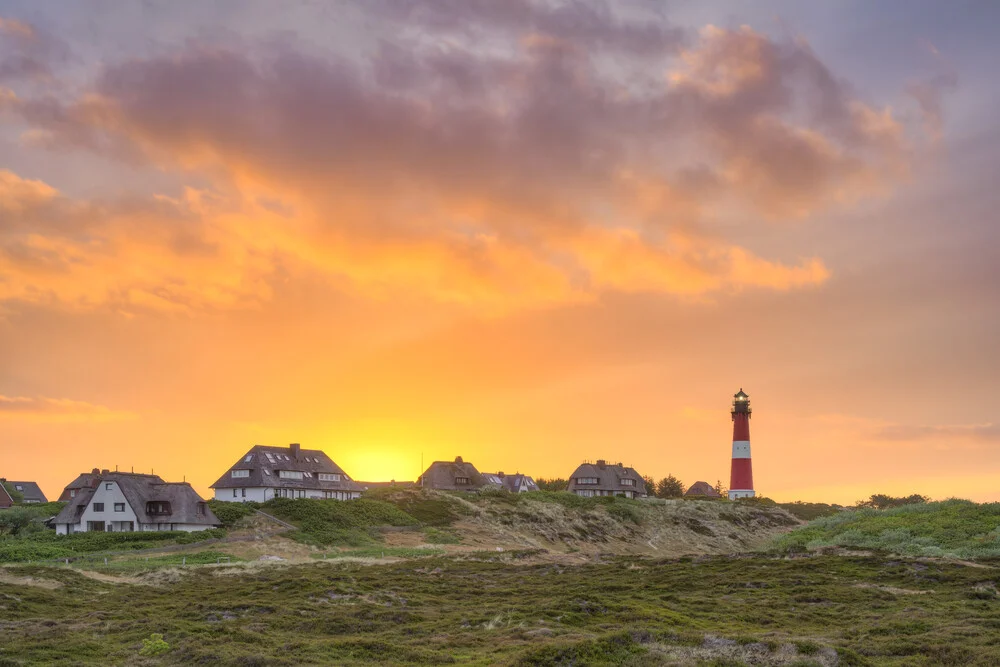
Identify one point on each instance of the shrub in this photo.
(154, 645)
(230, 513)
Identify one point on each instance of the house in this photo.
(5, 499)
(702, 490)
(267, 472)
(516, 483)
(31, 492)
(125, 502)
(456, 475)
(85, 480)
(606, 479)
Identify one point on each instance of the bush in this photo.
(47, 545)
(230, 513)
(154, 645)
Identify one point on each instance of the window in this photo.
(290, 474)
(234, 492)
(19, 487)
(627, 482)
(200, 509)
(461, 480)
(587, 480)
(266, 471)
(98, 507)
(72, 493)
(157, 507)
(329, 477)
(119, 507)
(240, 473)
(107, 486)
(248, 459)
(244, 494)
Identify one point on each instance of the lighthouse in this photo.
(741, 477)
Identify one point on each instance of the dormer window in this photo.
(461, 480)
(627, 482)
(154, 507)
(587, 480)
(241, 473)
(200, 509)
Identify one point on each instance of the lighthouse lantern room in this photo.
(741, 476)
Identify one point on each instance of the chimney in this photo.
(105, 471)
(500, 474)
(458, 459)
(601, 463)
(294, 447)
(95, 471)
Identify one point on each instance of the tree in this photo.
(881, 501)
(723, 491)
(650, 485)
(16, 520)
(669, 487)
(15, 495)
(555, 484)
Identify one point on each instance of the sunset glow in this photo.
(526, 233)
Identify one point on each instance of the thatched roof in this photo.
(265, 463)
(609, 476)
(512, 483)
(702, 489)
(444, 475)
(141, 489)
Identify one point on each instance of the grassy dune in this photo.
(956, 528)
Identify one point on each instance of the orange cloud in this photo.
(553, 185)
(57, 410)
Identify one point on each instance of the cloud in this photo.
(533, 172)
(908, 432)
(57, 410)
(27, 53)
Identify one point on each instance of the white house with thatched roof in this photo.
(606, 479)
(127, 502)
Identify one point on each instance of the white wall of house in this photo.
(261, 494)
(257, 494)
(110, 494)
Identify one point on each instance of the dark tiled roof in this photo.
(31, 491)
(702, 489)
(609, 476)
(266, 462)
(442, 475)
(141, 489)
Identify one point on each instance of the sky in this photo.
(525, 232)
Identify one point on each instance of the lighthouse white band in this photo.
(741, 449)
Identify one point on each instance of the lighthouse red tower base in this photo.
(741, 475)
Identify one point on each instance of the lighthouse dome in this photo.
(741, 395)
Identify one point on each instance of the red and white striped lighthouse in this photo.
(741, 476)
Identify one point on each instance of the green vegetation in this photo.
(860, 610)
(231, 513)
(26, 519)
(14, 494)
(554, 484)
(47, 545)
(154, 645)
(668, 487)
(138, 564)
(381, 552)
(881, 501)
(438, 536)
(324, 523)
(957, 528)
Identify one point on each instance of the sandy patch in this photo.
(14, 580)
